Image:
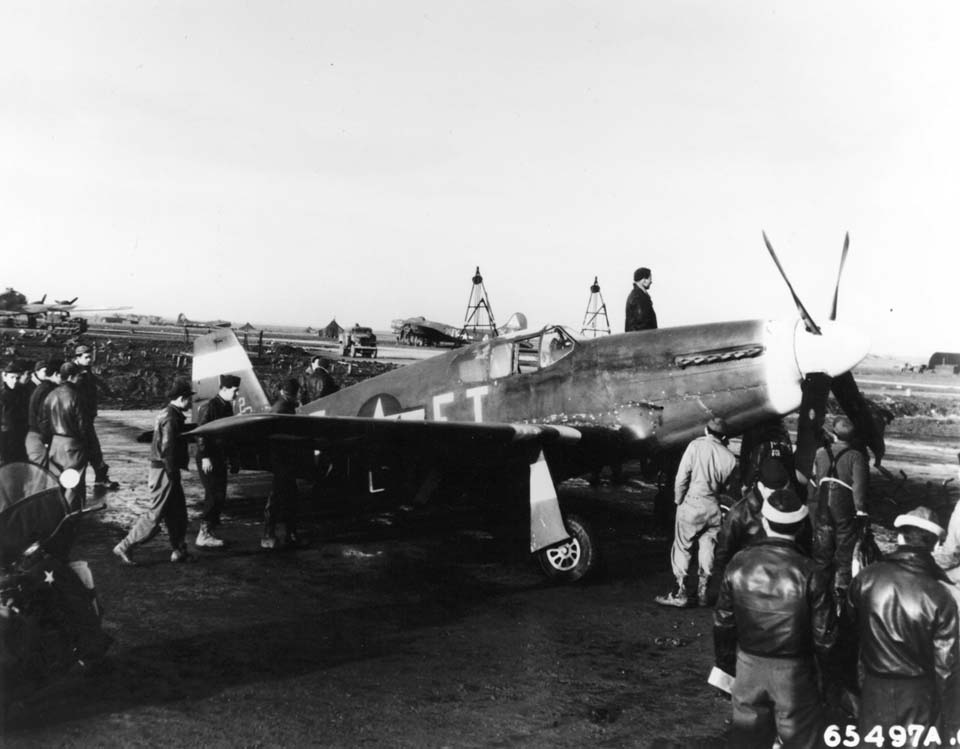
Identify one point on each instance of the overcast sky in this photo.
(291, 162)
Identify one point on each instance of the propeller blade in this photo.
(813, 409)
(836, 290)
(807, 320)
(869, 419)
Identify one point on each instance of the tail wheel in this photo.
(573, 559)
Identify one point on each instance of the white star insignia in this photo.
(378, 411)
(48, 577)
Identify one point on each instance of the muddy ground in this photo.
(401, 629)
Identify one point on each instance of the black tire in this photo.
(574, 559)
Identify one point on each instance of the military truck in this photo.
(358, 341)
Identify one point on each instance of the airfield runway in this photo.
(394, 630)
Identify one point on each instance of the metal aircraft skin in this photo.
(541, 394)
(14, 304)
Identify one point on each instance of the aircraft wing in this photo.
(385, 432)
(438, 442)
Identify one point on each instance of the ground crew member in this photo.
(280, 513)
(907, 621)
(640, 314)
(316, 382)
(38, 422)
(706, 469)
(89, 398)
(13, 414)
(774, 615)
(213, 457)
(69, 430)
(743, 524)
(768, 440)
(838, 501)
(168, 456)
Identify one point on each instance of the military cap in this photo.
(843, 428)
(718, 426)
(68, 369)
(180, 387)
(640, 273)
(40, 364)
(291, 386)
(785, 507)
(923, 518)
(773, 474)
(229, 381)
(10, 367)
(82, 349)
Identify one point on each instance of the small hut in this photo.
(332, 331)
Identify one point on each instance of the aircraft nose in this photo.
(839, 349)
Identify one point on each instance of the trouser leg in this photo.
(214, 495)
(753, 721)
(844, 516)
(890, 702)
(175, 515)
(95, 453)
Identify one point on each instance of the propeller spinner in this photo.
(826, 356)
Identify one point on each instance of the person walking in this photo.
(214, 456)
(907, 621)
(640, 314)
(168, 457)
(706, 469)
(13, 413)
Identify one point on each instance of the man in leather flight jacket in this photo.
(168, 457)
(68, 429)
(775, 613)
(907, 621)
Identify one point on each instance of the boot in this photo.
(180, 554)
(677, 597)
(102, 479)
(125, 554)
(206, 538)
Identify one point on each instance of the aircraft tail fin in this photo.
(220, 353)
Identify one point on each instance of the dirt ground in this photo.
(393, 629)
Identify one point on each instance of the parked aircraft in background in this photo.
(419, 331)
(184, 322)
(543, 406)
(14, 305)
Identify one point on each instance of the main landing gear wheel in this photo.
(573, 559)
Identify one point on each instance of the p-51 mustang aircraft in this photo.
(536, 407)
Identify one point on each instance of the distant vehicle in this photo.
(359, 341)
(185, 322)
(121, 319)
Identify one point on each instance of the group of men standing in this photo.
(791, 617)
(47, 414)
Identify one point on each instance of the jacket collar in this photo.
(916, 560)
